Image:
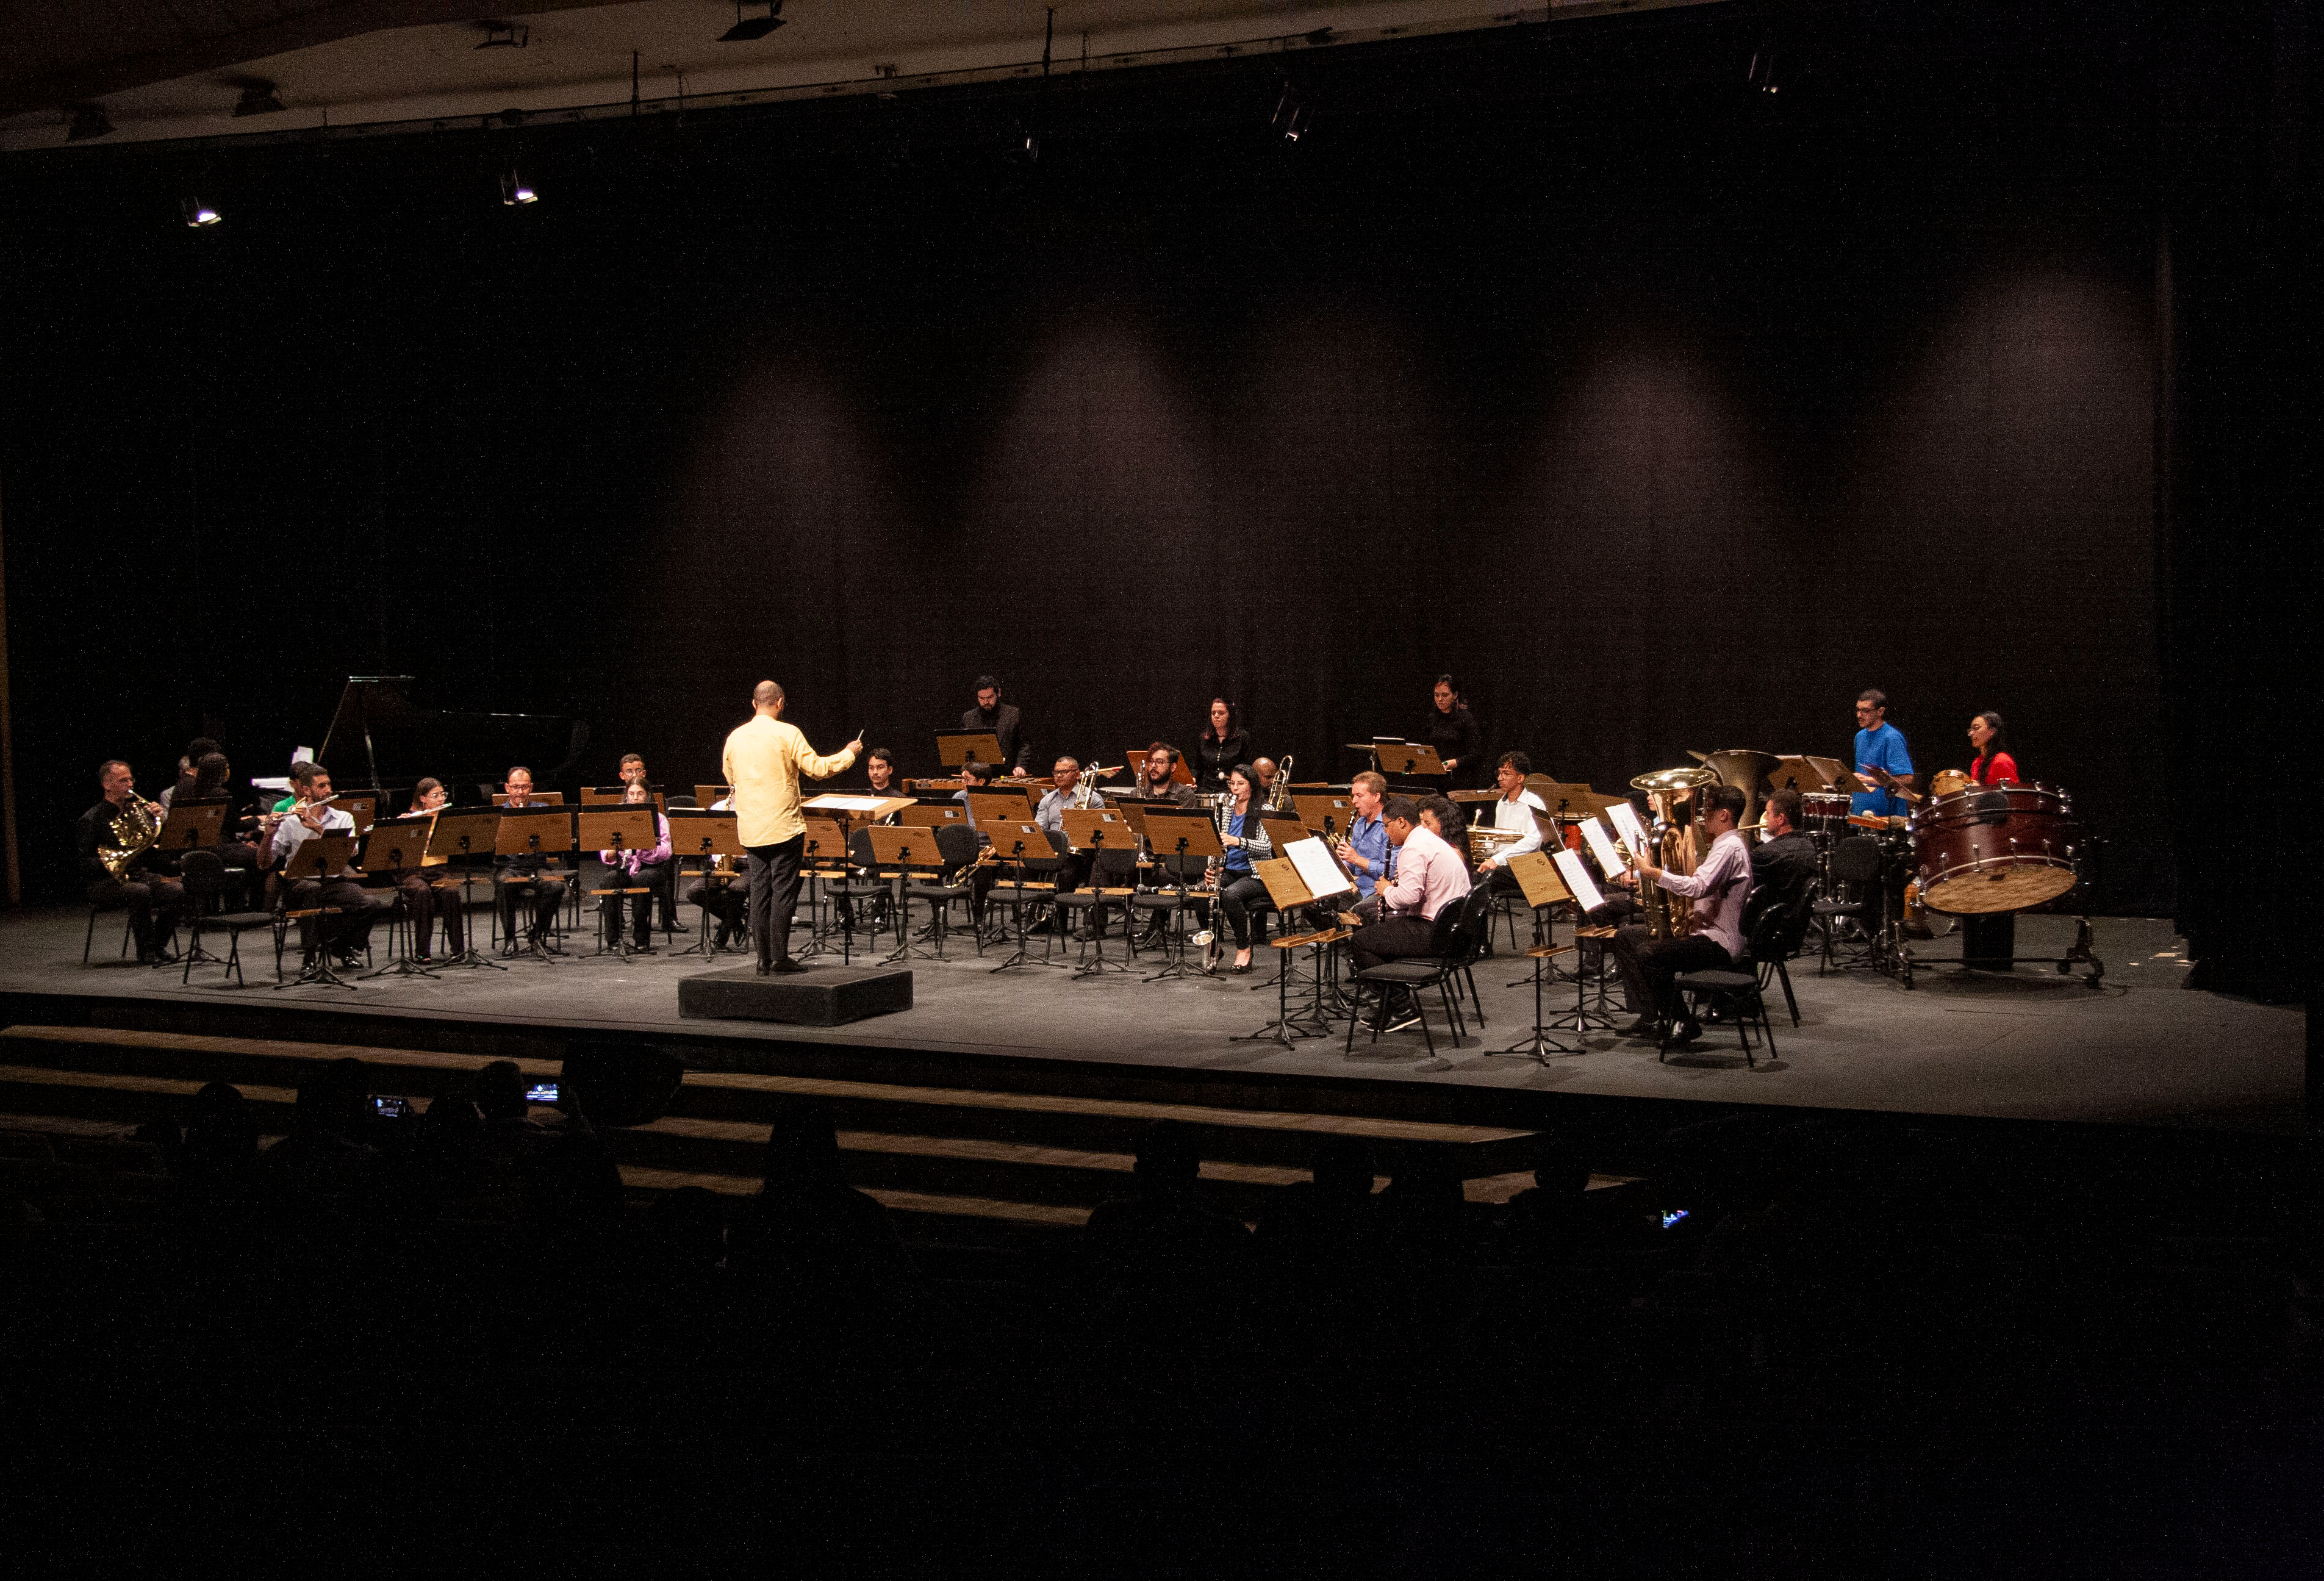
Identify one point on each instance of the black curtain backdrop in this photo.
(1663, 413)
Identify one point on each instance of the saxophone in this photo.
(135, 827)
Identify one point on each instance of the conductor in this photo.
(764, 761)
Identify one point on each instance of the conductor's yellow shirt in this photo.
(763, 762)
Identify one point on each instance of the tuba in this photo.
(1675, 842)
(135, 827)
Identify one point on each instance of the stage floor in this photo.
(2140, 1049)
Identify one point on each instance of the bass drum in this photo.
(1997, 848)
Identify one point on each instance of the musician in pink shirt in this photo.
(1718, 888)
(1426, 875)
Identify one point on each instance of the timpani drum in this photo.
(1994, 848)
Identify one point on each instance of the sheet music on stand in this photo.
(1602, 846)
(1319, 870)
(1625, 819)
(1577, 880)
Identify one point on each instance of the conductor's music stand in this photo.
(620, 831)
(461, 836)
(324, 857)
(1176, 834)
(700, 832)
(1410, 758)
(530, 831)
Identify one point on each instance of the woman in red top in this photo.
(1994, 765)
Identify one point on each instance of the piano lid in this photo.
(380, 736)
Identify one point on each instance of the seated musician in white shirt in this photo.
(1513, 810)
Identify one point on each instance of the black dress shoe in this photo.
(1685, 1033)
(1646, 1026)
(787, 966)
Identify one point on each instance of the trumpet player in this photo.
(154, 902)
(1718, 887)
(1514, 811)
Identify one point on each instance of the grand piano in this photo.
(381, 738)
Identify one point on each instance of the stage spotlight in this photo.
(1762, 74)
(1290, 120)
(257, 99)
(197, 212)
(87, 121)
(758, 27)
(515, 188)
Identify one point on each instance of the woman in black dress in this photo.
(1453, 731)
(1224, 743)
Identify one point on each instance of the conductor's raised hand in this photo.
(856, 746)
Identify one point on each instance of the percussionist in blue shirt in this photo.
(1879, 745)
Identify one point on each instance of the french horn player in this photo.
(113, 844)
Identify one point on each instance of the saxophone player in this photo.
(1718, 887)
(154, 902)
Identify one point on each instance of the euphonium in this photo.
(1675, 843)
(135, 827)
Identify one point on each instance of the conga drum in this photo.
(1994, 848)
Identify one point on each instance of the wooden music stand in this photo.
(1326, 812)
(620, 829)
(1289, 888)
(1282, 830)
(537, 799)
(395, 846)
(698, 831)
(600, 795)
(361, 805)
(1407, 759)
(1537, 876)
(1798, 771)
(902, 848)
(533, 831)
(704, 795)
(1098, 828)
(933, 815)
(998, 805)
(1019, 843)
(1177, 833)
(823, 861)
(955, 747)
(461, 835)
(192, 825)
(325, 857)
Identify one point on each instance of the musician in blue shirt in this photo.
(1364, 852)
(1879, 745)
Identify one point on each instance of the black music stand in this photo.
(1186, 832)
(461, 835)
(1023, 845)
(391, 848)
(1287, 888)
(700, 832)
(531, 831)
(326, 858)
(620, 829)
(1587, 898)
